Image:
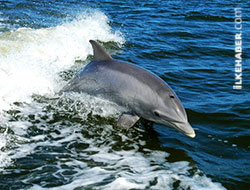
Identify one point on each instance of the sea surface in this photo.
(49, 141)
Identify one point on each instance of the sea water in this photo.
(49, 141)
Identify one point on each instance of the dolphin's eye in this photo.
(171, 96)
(156, 114)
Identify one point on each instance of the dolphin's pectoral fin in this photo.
(127, 120)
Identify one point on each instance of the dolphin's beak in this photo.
(185, 128)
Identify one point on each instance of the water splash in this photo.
(30, 59)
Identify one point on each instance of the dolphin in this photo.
(141, 92)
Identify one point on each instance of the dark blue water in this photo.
(70, 143)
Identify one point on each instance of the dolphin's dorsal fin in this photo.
(99, 53)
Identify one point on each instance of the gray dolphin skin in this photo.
(141, 92)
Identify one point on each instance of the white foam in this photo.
(134, 170)
(109, 168)
(30, 59)
(83, 104)
(122, 183)
(4, 160)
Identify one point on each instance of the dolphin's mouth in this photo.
(191, 135)
(185, 128)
